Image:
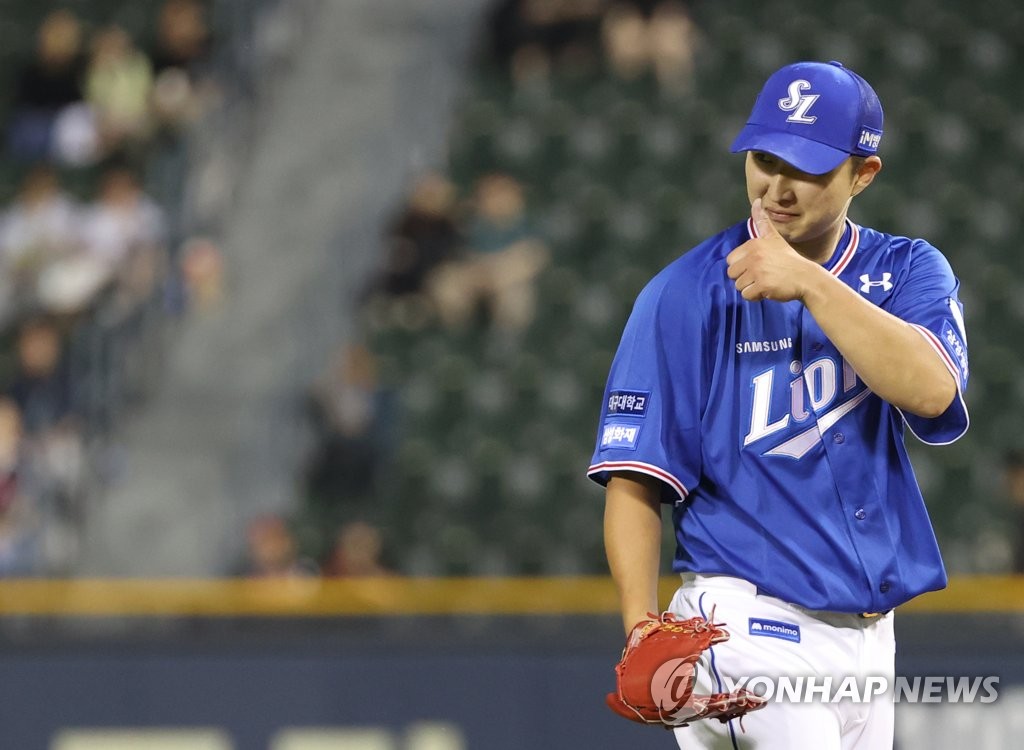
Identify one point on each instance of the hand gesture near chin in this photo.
(767, 267)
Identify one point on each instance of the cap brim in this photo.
(804, 154)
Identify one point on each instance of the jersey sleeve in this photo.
(928, 300)
(650, 416)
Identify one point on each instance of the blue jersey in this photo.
(783, 468)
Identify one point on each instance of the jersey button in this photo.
(884, 587)
(860, 515)
(838, 437)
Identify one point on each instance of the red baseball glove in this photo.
(657, 673)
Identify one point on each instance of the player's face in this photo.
(807, 209)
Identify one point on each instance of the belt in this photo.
(751, 588)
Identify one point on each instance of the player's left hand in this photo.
(655, 679)
(767, 267)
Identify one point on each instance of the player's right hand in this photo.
(766, 266)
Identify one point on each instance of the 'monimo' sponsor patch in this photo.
(775, 629)
(620, 435)
(628, 403)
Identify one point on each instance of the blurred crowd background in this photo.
(96, 103)
(101, 255)
(432, 409)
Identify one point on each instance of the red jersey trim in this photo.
(640, 468)
(844, 258)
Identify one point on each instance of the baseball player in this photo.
(762, 388)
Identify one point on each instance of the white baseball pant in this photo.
(838, 667)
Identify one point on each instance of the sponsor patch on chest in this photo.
(767, 345)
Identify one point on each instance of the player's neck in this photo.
(822, 248)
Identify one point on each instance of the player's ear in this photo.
(864, 171)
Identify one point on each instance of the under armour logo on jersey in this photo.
(866, 283)
(798, 103)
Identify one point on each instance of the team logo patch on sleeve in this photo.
(628, 403)
(620, 435)
(775, 629)
(952, 338)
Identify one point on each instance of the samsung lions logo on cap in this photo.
(799, 103)
(775, 629)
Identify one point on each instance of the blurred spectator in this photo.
(118, 84)
(124, 230)
(422, 237)
(42, 385)
(19, 534)
(624, 32)
(674, 40)
(350, 415)
(530, 37)
(202, 266)
(507, 29)
(272, 551)
(179, 57)
(504, 257)
(1013, 468)
(122, 248)
(42, 390)
(662, 41)
(356, 552)
(182, 38)
(47, 85)
(40, 226)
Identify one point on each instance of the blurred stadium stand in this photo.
(465, 444)
(96, 285)
(192, 426)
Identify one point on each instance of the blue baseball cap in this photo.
(813, 115)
